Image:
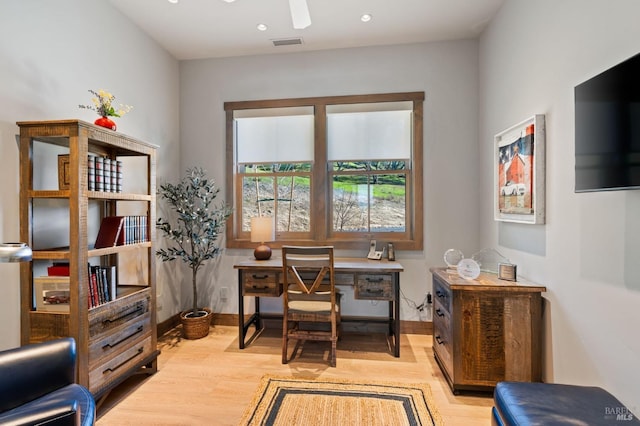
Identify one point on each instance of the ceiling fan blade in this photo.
(299, 14)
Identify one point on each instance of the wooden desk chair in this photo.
(309, 296)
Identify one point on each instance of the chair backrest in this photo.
(308, 271)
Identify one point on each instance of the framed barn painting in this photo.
(519, 172)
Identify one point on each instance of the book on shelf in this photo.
(107, 174)
(135, 229)
(99, 174)
(96, 279)
(52, 293)
(93, 289)
(91, 172)
(58, 269)
(110, 233)
(112, 282)
(104, 174)
(102, 285)
(121, 230)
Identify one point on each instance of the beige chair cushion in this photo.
(311, 306)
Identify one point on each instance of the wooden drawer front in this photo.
(109, 344)
(442, 339)
(343, 279)
(119, 365)
(442, 294)
(258, 283)
(374, 287)
(107, 317)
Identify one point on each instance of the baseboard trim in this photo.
(349, 323)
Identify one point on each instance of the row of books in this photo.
(52, 292)
(105, 174)
(102, 285)
(121, 230)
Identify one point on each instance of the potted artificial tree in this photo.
(193, 236)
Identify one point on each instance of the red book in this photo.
(109, 233)
(58, 271)
(94, 290)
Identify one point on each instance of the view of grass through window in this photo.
(368, 196)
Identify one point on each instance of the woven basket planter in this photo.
(197, 327)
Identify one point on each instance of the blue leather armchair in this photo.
(37, 386)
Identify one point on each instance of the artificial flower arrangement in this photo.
(103, 104)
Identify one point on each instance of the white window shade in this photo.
(372, 135)
(274, 138)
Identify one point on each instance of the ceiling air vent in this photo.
(286, 41)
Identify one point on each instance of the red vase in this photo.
(105, 122)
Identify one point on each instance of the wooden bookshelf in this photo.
(117, 338)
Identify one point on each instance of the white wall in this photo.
(587, 253)
(446, 72)
(51, 54)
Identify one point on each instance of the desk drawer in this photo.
(442, 343)
(442, 294)
(109, 316)
(111, 343)
(261, 284)
(374, 287)
(120, 364)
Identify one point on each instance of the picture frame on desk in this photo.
(519, 172)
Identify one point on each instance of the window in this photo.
(335, 170)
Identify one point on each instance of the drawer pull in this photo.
(376, 291)
(113, 345)
(440, 294)
(439, 312)
(259, 287)
(132, 313)
(439, 340)
(259, 277)
(111, 370)
(374, 280)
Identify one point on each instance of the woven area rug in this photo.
(294, 401)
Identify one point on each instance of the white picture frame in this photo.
(519, 172)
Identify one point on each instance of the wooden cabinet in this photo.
(60, 218)
(486, 330)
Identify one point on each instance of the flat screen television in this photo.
(607, 129)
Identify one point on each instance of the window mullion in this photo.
(319, 176)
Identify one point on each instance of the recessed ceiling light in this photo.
(261, 27)
(229, 1)
(366, 17)
(173, 1)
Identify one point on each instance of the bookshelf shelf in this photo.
(123, 324)
(95, 195)
(64, 253)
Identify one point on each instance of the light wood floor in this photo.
(210, 381)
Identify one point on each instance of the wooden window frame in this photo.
(321, 227)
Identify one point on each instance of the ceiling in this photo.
(192, 29)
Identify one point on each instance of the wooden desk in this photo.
(371, 279)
